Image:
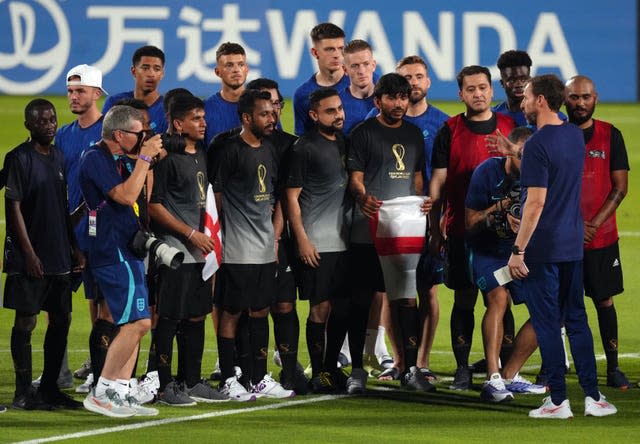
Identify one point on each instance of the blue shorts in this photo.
(482, 268)
(123, 287)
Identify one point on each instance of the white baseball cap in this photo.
(89, 76)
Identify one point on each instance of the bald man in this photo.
(604, 185)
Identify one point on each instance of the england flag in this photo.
(212, 229)
(398, 233)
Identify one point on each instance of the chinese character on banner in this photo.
(198, 62)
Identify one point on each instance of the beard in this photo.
(579, 119)
(330, 129)
(417, 95)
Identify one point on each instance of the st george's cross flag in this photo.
(212, 229)
(398, 233)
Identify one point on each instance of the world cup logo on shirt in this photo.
(398, 152)
(262, 173)
(201, 187)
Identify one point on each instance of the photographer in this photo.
(492, 210)
(184, 299)
(111, 191)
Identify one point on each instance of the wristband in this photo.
(191, 234)
(145, 158)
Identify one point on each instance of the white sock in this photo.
(381, 346)
(121, 386)
(102, 385)
(370, 341)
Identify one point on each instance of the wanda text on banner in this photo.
(41, 39)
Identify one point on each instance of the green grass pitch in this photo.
(382, 415)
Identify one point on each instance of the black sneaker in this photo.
(413, 380)
(30, 400)
(60, 400)
(479, 366)
(617, 379)
(462, 379)
(322, 383)
(299, 383)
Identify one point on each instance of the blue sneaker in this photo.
(522, 385)
(494, 390)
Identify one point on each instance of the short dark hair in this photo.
(229, 48)
(470, 71)
(248, 99)
(147, 51)
(514, 57)
(326, 31)
(412, 60)
(182, 105)
(264, 83)
(356, 45)
(391, 84)
(551, 87)
(170, 95)
(320, 94)
(133, 103)
(520, 133)
(35, 104)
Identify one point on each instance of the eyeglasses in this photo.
(279, 104)
(140, 133)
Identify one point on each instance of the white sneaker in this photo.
(270, 388)
(549, 410)
(136, 405)
(142, 393)
(522, 385)
(109, 404)
(602, 407)
(150, 384)
(357, 382)
(236, 391)
(85, 387)
(494, 390)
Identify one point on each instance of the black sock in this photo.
(165, 332)
(152, 363)
(509, 330)
(242, 357)
(358, 317)
(259, 336)
(193, 346)
(100, 338)
(409, 320)
(608, 323)
(55, 343)
(336, 332)
(462, 323)
(226, 352)
(316, 346)
(21, 354)
(182, 354)
(286, 332)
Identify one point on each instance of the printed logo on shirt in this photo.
(400, 172)
(262, 184)
(616, 263)
(202, 187)
(597, 154)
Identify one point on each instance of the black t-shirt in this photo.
(247, 178)
(442, 142)
(38, 182)
(618, 159)
(180, 186)
(389, 158)
(316, 165)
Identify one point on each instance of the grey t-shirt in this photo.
(247, 178)
(389, 158)
(180, 185)
(317, 165)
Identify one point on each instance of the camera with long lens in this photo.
(144, 242)
(500, 222)
(173, 143)
(143, 136)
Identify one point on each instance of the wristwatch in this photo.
(516, 250)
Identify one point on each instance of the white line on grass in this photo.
(142, 425)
